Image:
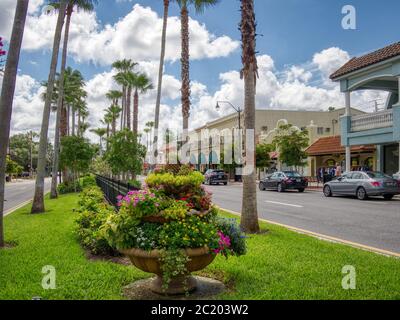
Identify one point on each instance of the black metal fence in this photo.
(113, 188)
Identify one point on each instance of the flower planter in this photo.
(149, 262)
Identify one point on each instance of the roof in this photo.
(333, 145)
(369, 59)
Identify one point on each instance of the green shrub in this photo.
(88, 181)
(69, 187)
(136, 184)
(93, 213)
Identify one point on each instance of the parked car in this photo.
(363, 185)
(397, 176)
(216, 177)
(285, 180)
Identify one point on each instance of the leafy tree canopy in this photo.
(291, 144)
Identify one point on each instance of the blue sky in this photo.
(300, 42)
(291, 31)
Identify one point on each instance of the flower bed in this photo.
(171, 229)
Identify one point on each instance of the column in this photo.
(348, 114)
(399, 157)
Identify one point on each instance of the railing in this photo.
(382, 119)
(113, 188)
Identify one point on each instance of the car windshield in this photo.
(377, 175)
(293, 175)
(219, 171)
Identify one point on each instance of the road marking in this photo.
(9, 211)
(325, 237)
(285, 204)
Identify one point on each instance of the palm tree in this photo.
(141, 84)
(87, 5)
(123, 66)
(114, 111)
(38, 201)
(249, 220)
(161, 72)
(100, 132)
(7, 96)
(200, 6)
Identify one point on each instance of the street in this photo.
(375, 222)
(17, 193)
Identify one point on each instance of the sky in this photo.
(300, 43)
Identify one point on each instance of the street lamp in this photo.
(238, 110)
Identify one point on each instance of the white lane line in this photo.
(285, 204)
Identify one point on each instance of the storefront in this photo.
(328, 157)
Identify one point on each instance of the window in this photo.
(320, 130)
(328, 130)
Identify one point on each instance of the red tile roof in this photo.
(333, 145)
(369, 59)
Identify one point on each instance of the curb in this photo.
(21, 205)
(326, 238)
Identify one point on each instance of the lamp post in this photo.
(238, 110)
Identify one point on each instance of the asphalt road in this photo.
(375, 222)
(17, 193)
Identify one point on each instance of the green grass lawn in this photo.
(280, 264)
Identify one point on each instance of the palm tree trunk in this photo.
(128, 108)
(136, 112)
(123, 103)
(73, 121)
(185, 68)
(249, 219)
(160, 75)
(38, 202)
(54, 193)
(7, 97)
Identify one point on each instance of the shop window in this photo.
(328, 130)
(320, 130)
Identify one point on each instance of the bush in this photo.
(69, 187)
(136, 184)
(88, 181)
(93, 213)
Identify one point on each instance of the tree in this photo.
(70, 92)
(141, 84)
(123, 67)
(24, 149)
(200, 6)
(12, 167)
(38, 201)
(76, 154)
(262, 156)
(125, 153)
(7, 96)
(160, 73)
(291, 144)
(100, 132)
(249, 73)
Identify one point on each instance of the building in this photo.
(379, 70)
(318, 123)
(327, 153)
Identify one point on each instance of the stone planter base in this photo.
(149, 262)
(206, 289)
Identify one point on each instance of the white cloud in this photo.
(136, 36)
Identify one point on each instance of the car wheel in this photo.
(361, 194)
(388, 196)
(280, 188)
(301, 190)
(327, 191)
(225, 183)
(261, 186)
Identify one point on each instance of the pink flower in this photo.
(120, 197)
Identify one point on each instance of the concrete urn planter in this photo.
(149, 261)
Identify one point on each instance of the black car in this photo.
(215, 177)
(286, 180)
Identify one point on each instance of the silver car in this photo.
(363, 185)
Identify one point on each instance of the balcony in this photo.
(378, 120)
